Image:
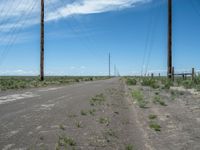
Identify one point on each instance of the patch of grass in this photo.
(129, 147)
(61, 127)
(104, 120)
(152, 117)
(157, 100)
(97, 100)
(84, 113)
(111, 133)
(150, 82)
(78, 124)
(92, 112)
(173, 94)
(136, 94)
(167, 83)
(65, 142)
(131, 81)
(155, 126)
(188, 84)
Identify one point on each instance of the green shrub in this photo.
(150, 82)
(139, 98)
(131, 81)
(155, 126)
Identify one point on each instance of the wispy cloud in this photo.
(18, 13)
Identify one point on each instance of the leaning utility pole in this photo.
(109, 64)
(42, 42)
(169, 72)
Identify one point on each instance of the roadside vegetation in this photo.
(163, 82)
(7, 83)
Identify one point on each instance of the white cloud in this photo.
(18, 13)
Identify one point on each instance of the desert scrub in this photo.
(104, 120)
(152, 117)
(65, 142)
(188, 84)
(97, 100)
(83, 113)
(155, 126)
(167, 84)
(92, 112)
(150, 82)
(129, 147)
(131, 81)
(139, 97)
(157, 100)
(61, 127)
(16, 82)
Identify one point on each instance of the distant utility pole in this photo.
(115, 70)
(42, 42)
(109, 64)
(169, 72)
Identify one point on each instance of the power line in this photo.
(14, 33)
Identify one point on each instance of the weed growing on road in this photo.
(129, 147)
(155, 126)
(61, 127)
(157, 99)
(97, 100)
(83, 113)
(136, 94)
(111, 133)
(65, 142)
(104, 120)
(92, 112)
(78, 124)
(152, 117)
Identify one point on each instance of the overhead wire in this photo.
(74, 30)
(146, 45)
(15, 33)
(7, 13)
(81, 26)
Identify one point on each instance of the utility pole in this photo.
(42, 42)
(169, 72)
(109, 64)
(115, 71)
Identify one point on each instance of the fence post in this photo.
(183, 76)
(193, 73)
(152, 75)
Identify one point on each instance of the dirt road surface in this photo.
(99, 115)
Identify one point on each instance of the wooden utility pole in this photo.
(42, 42)
(169, 72)
(115, 71)
(109, 64)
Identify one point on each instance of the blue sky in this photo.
(80, 34)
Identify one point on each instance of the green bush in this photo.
(131, 81)
(150, 82)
